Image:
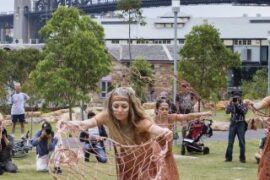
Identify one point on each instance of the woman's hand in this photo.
(248, 103)
(206, 115)
(68, 125)
(168, 133)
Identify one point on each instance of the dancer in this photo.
(164, 119)
(129, 125)
(264, 165)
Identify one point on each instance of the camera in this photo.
(48, 131)
(235, 99)
(47, 128)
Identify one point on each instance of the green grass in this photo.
(221, 116)
(213, 167)
(204, 167)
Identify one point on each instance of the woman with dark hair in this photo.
(164, 119)
(6, 143)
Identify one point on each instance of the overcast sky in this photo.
(197, 10)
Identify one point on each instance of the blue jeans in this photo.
(97, 150)
(239, 129)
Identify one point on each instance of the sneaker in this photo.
(1, 171)
(242, 160)
(228, 160)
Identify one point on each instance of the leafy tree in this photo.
(141, 76)
(21, 63)
(257, 87)
(16, 65)
(131, 9)
(75, 58)
(205, 61)
(3, 75)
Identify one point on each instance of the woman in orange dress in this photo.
(128, 124)
(264, 165)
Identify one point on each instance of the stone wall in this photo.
(163, 79)
(163, 74)
(117, 71)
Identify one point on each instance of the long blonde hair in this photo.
(136, 114)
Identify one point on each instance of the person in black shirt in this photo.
(6, 143)
(238, 126)
(94, 143)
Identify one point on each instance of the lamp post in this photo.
(268, 83)
(175, 9)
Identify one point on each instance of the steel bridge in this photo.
(36, 12)
(99, 6)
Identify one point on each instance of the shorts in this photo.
(18, 117)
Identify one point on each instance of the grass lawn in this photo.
(203, 167)
(213, 167)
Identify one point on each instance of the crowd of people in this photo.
(128, 124)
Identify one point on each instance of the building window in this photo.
(248, 42)
(246, 54)
(105, 88)
(249, 55)
(235, 42)
(264, 55)
(181, 41)
(115, 41)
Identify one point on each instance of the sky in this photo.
(194, 10)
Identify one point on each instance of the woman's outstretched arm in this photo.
(189, 117)
(99, 119)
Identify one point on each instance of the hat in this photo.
(46, 125)
(236, 93)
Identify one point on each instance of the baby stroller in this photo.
(192, 142)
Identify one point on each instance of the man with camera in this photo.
(94, 142)
(6, 142)
(45, 143)
(238, 126)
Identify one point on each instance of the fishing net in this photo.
(141, 162)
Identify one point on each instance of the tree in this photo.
(21, 63)
(75, 58)
(3, 75)
(205, 61)
(141, 76)
(16, 66)
(257, 87)
(131, 10)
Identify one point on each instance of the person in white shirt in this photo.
(18, 100)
